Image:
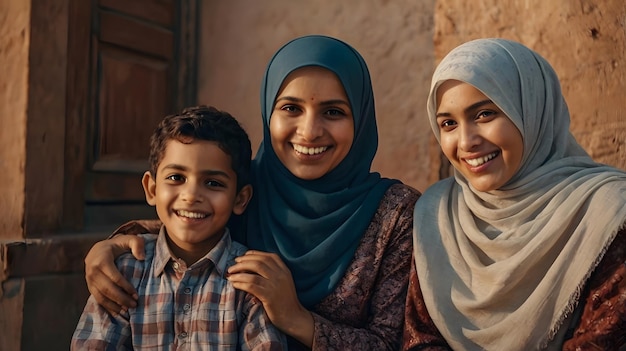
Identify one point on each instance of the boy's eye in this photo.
(213, 183)
(175, 177)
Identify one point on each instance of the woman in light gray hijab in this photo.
(525, 247)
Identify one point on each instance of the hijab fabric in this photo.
(316, 225)
(503, 270)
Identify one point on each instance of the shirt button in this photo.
(175, 265)
(187, 291)
(186, 307)
(182, 335)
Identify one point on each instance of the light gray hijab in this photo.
(504, 269)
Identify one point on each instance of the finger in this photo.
(107, 304)
(114, 293)
(255, 267)
(246, 277)
(124, 243)
(263, 256)
(257, 252)
(250, 283)
(136, 244)
(116, 284)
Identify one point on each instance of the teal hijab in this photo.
(316, 225)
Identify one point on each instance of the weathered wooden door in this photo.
(139, 66)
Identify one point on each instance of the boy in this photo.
(199, 175)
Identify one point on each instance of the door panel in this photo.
(157, 11)
(136, 34)
(133, 97)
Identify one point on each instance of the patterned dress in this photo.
(366, 309)
(602, 325)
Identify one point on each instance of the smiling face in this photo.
(480, 141)
(311, 126)
(195, 192)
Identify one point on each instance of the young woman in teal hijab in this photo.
(330, 240)
(315, 225)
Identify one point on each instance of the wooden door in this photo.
(140, 66)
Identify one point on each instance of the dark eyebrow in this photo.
(478, 104)
(289, 98)
(471, 107)
(323, 103)
(208, 172)
(335, 102)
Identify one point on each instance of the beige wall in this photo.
(395, 38)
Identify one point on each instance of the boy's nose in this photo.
(192, 193)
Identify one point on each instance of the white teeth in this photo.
(309, 150)
(474, 162)
(188, 214)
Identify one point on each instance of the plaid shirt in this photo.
(180, 308)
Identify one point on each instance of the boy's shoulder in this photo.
(238, 248)
(233, 250)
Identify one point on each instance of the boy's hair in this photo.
(204, 123)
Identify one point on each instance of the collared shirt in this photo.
(179, 307)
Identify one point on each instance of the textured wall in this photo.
(14, 45)
(395, 38)
(585, 41)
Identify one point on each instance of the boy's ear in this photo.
(243, 199)
(149, 187)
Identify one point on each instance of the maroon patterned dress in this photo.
(602, 325)
(366, 309)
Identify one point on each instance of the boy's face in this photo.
(194, 192)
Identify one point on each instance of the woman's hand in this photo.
(266, 276)
(104, 280)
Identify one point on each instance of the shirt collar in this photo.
(217, 255)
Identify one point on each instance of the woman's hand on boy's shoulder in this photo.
(104, 281)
